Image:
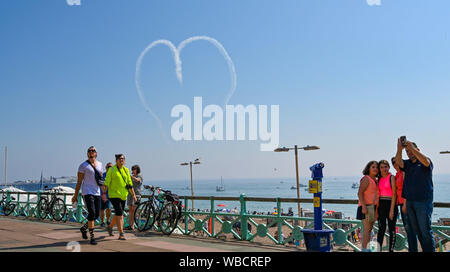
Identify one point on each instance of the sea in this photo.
(333, 188)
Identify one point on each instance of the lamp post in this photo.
(196, 161)
(296, 148)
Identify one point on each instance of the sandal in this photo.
(110, 230)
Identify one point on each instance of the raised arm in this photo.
(398, 156)
(421, 157)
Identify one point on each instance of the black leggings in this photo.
(93, 206)
(383, 215)
(118, 205)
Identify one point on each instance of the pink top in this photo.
(370, 194)
(384, 186)
(399, 182)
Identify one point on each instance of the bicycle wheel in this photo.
(140, 215)
(9, 208)
(152, 218)
(168, 218)
(58, 210)
(42, 208)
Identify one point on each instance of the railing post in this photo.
(211, 219)
(8, 197)
(36, 206)
(280, 226)
(79, 209)
(28, 204)
(244, 217)
(186, 216)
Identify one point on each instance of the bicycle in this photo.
(55, 207)
(6, 206)
(164, 208)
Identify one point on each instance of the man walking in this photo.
(89, 174)
(418, 192)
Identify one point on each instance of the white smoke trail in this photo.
(178, 67)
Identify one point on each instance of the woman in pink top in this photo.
(368, 198)
(387, 209)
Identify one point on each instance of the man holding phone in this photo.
(418, 192)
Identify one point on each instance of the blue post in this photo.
(317, 174)
(317, 239)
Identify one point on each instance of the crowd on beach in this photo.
(382, 196)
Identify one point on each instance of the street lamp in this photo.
(196, 161)
(296, 148)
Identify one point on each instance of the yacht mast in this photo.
(6, 164)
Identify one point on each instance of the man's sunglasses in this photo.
(92, 150)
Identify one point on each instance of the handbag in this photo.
(98, 177)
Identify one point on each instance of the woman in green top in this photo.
(118, 181)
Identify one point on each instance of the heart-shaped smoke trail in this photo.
(178, 68)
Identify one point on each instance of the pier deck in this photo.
(21, 235)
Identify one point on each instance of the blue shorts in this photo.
(105, 205)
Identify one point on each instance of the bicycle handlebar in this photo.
(154, 188)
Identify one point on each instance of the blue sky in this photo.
(348, 77)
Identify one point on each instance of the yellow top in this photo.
(116, 184)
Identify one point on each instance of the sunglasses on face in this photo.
(92, 150)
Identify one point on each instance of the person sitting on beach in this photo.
(387, 205)
(368, 198)
(418, 192)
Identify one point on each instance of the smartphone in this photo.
(403, 140)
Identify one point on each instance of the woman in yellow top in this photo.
(118, 181)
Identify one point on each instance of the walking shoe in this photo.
(128, 228)
(83, 233)
(110, 230)
(122, 237)
(92, 241)
(102, 225)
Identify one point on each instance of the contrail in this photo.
(178, 67)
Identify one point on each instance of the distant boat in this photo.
(300, 185)
(220, 188)
(355, 185)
